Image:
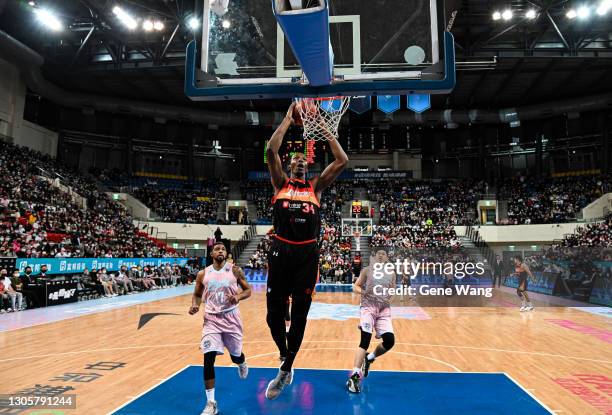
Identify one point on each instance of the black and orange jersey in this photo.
(519, 270)
(296, 212)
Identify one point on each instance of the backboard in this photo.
(379, 47)
(356, 227)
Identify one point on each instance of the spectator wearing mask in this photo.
(95, 277)
(28, 288)
(123, 281)
(15, 297)
(87, 280)
(109, 282)
(149, 276)
(5, 305)
(43, 272)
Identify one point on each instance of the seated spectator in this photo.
(28, 289)
(9, 293)
(86, 281)
(124, 282)
(41, 220)
(536, 200)
(109, 283)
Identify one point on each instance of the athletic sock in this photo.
(288, 362)
(371, 357)
(210, 394)
(356, 370)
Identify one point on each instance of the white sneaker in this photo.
(243, 371)
(9, 310)
(529, 308)
(523, 308)
(276, 385)
(210, 408)
(282, 360)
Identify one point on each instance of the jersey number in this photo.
(220, 297)
(308, 208)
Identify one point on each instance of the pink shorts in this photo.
(373, 318)
(222, 331)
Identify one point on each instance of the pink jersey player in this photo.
(221, 286)
(222, 322)
(374, 315)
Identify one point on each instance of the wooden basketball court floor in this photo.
(561, 356)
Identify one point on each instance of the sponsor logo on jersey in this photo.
(293, 192)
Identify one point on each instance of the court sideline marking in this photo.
(307, 341)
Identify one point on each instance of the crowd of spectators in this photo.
(537, 200)
(260, 193)
(421, 214)
(416, 236)
(597, 234)
(335, 262)
(183, 206)
(38, 218)
(333, 199)
(259, 259)
(416, 203)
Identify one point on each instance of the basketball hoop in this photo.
(321, 116)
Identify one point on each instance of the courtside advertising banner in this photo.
(77, 265)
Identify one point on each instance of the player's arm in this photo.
(196, 299)
(358, 285)
(242, 282)
(332, 171)
(277, 175)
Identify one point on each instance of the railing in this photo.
(480, 243)
(238, 248)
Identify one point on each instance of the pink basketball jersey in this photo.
(381, 298)
(219, 286)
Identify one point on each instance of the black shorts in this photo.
(292, 269)
(523, 282)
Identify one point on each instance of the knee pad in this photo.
(388, 340)
(364, 343)
(238, 360)
(209, 365)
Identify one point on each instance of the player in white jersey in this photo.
(375, 315)
(217, 286)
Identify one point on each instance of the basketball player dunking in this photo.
(217, 286)
(524, 273)
(374, 315)
(293, 259)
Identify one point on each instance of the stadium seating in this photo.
(41, 220)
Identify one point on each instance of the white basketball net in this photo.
(321, 116)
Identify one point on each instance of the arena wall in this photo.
(523, 233)
(519, 235)
(12, 124)
(197, 232)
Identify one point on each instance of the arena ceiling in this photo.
(502, 63)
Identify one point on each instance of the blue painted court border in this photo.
(316, 391)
